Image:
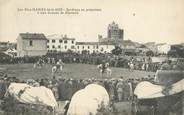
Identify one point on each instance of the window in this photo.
(48, 41)
(48, 46)
(53, 46)
(96, 47)
(65, 47)
(53, 41)
(72, 47)
(59, 46)
(88, 47)
(65, 41)
(60, 41)
(77, 47)
(82, 47)
(30, 43)
(72, 42)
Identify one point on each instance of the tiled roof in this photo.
(107, 43)
(68, 38)
(128, 43)
(34, 36)
(87, 43)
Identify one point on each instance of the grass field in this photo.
(26, 71)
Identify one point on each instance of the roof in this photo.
(2, 49)
(161, 44)
(4, 43)
(87, 43)
(107, 43)
(128, 43)
(33, 36)
(68, 38)
(94, 43)
(142, 46)
(56, 36)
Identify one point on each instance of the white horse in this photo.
(107, 69)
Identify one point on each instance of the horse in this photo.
(131, 66)
(57, 68)
(106, 70)
(39, 64)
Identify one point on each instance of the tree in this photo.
(149, 53)
(117, 50)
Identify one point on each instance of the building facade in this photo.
(4, 44)
(115, 35)
(31, 44)
(114, 32)
(94, 47)
(60, 43)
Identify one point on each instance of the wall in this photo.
(163, 49)
(38, 48)
(69, 44)
(93, 48)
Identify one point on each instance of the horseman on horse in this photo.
(58, 67)
(104, 67)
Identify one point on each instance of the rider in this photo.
(103, 66)
(59, 64)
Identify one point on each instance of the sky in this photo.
(159, 21)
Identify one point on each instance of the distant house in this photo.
(128, 47)
(4, 44)
(163, 48)
(11, 52)
(31, 44)
(142, 49)
(151, 46)
(60, 43)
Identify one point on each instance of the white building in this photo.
(31, 44)
(163, 48)
(94, 47)
(60, 43)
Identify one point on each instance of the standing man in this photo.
(103, 67)
(119, 88)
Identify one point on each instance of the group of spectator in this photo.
(140, 63)
(63, 89)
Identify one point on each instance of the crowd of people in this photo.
(119, 89)
(139, 63)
